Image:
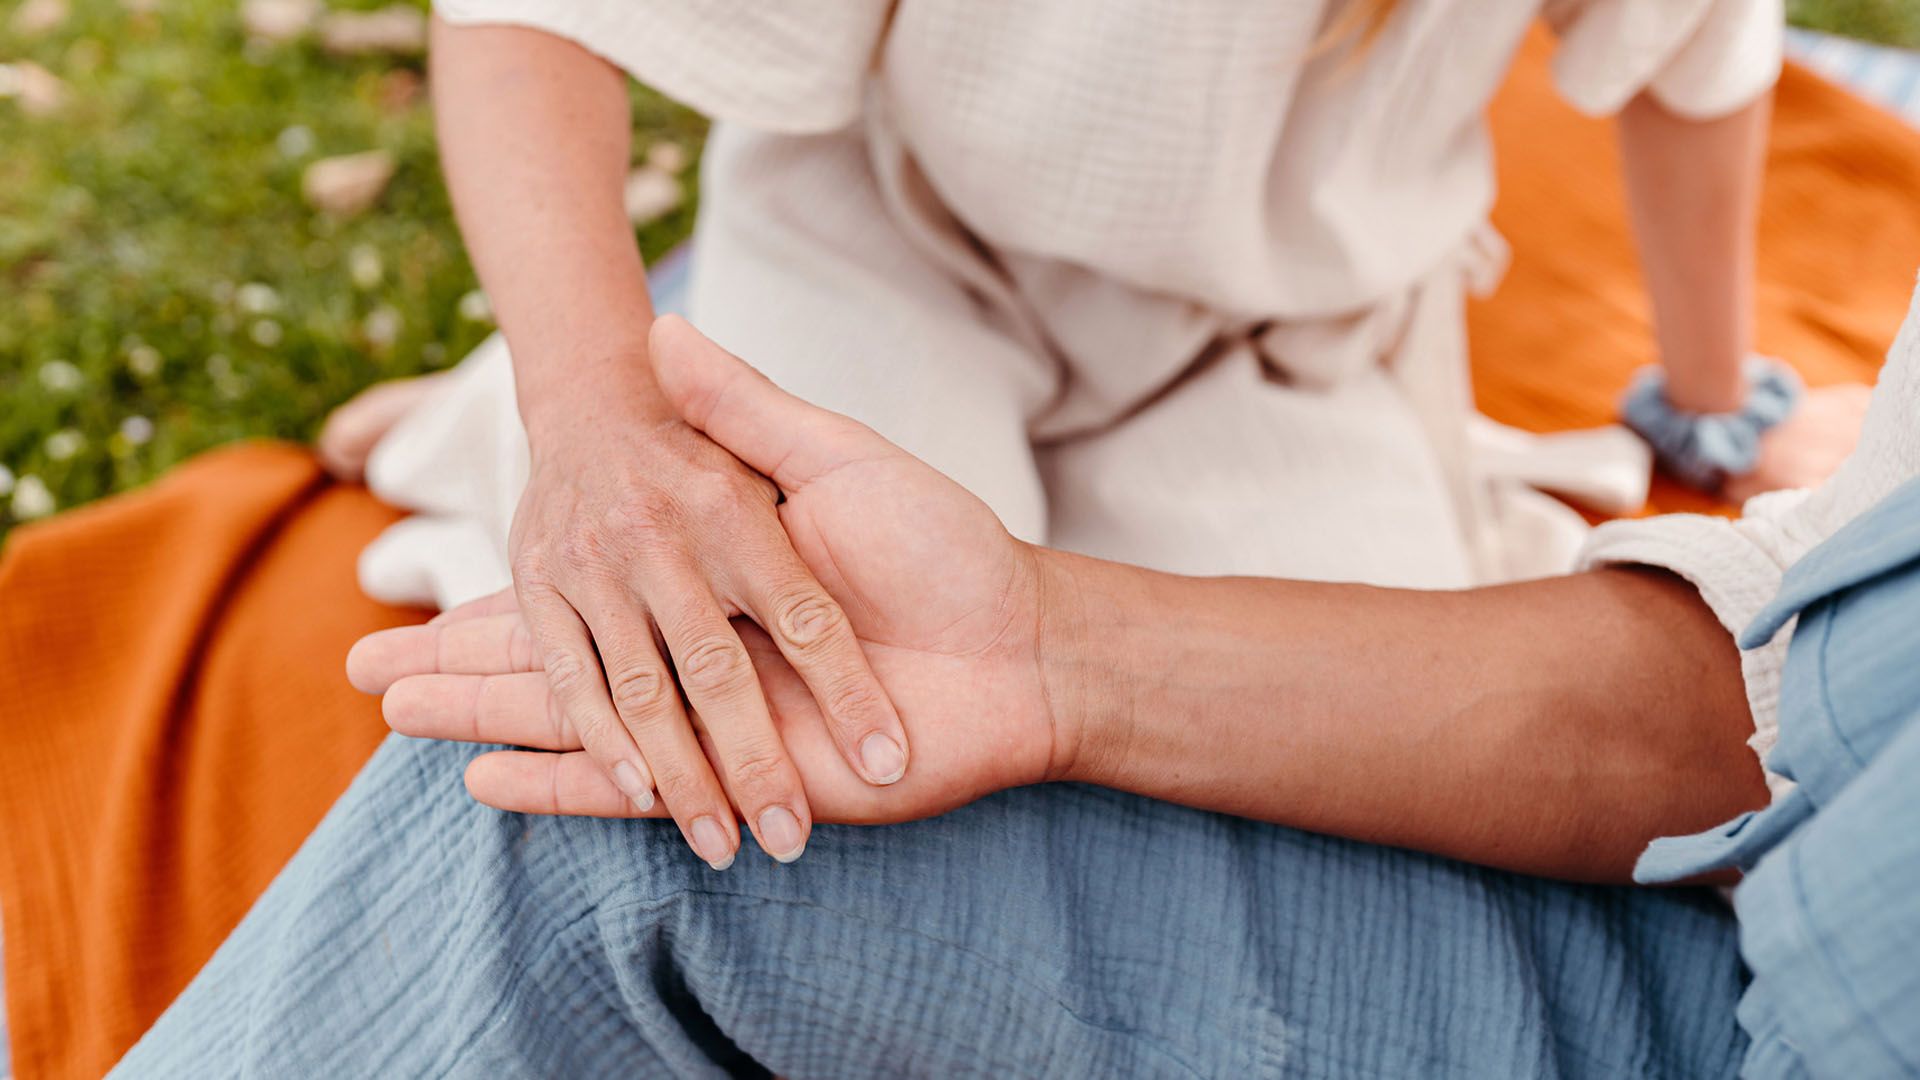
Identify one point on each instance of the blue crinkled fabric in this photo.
(1829, 924)
(1056, 930)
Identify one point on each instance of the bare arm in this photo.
(1693, 189)
(1552, 727)
(534, 134)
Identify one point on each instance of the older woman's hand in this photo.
(945, 604)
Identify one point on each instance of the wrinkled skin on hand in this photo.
(948, 608)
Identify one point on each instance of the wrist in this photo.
(1704, 389)
(1084, 676)
(577, 392)
(1705, 449)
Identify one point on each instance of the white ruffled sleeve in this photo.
(1700, 58)
(1737, 565)
(775, 66)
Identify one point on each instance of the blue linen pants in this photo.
(1049, 931)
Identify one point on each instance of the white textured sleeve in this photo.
(1699, 58)
(1737, 565)
(774, 66)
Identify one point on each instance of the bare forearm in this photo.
(1694, 191)
(1551, 727)
(534, 134)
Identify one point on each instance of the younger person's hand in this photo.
(944, 603)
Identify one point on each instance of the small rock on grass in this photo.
(37, 17)
(347, 185)
(395, 30)
(400, 89)
(39, 91)
(279, 20)
(652, 194)
(31, 499)
(667, 157)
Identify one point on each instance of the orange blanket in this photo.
(171, 700)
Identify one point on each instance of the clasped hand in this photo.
(906, 611)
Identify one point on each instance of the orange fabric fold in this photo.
(171, 697)
(175, 720)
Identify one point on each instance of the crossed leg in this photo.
(1053, 930)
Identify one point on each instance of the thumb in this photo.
(776, 434)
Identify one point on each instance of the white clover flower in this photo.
(144, 361)
(62, 445)
(295, 142)
(265, 333)
(383, 326)
(31, 499)
(137, 430)
(257, 298)
(365, 266)
(61, 376)
(6, 481)
(475, 307)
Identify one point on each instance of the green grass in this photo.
(1895, 22)
(138, 226)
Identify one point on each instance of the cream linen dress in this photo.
(1154, 278)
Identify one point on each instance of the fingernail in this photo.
(627, 779)
(780, 834)
(710, 843)
(883, 759)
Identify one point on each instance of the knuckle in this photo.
(855, 704)
(566, 673)
(757, 772)
(714, 664)
(533, 569)
(677, 781)
(640, 692)
(596, 732)
(808, 620)
(625, 519)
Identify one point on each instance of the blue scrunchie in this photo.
(1704, 449)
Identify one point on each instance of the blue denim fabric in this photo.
(1050, 931)
(1830, 920)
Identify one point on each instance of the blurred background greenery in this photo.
(166, 284)
(1892, 22)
